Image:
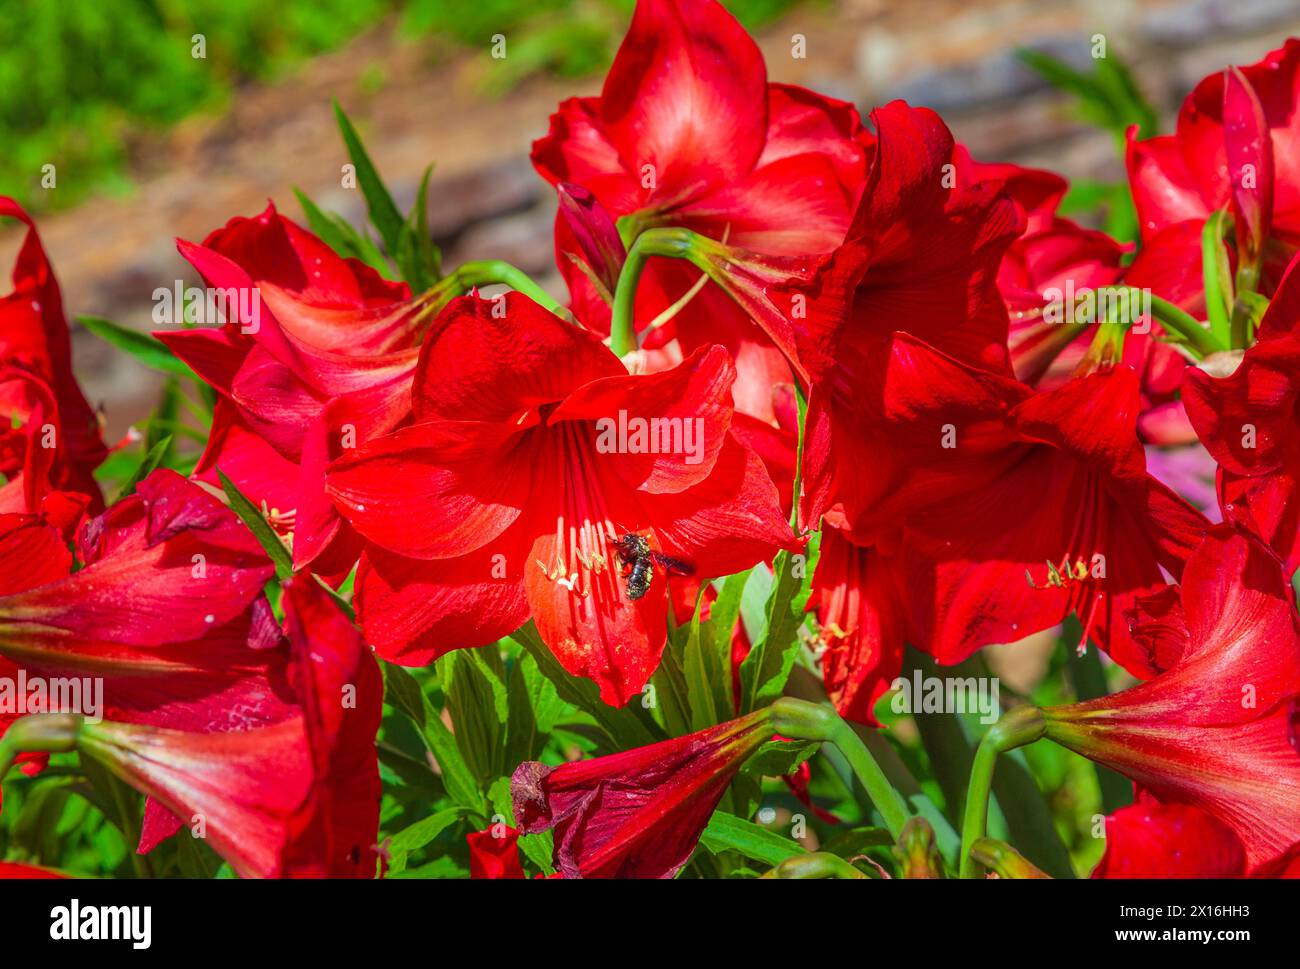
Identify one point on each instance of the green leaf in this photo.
(777, 758)
(726, 832)
(623, 727)
(706, 677)
(533, 707)
(146, 467)
(1108, 97)
(259, 526)
(419, 834)
(474, 683)
(671, 696)
(383, 210)
(856, 841)
(404, 693)
(163, 421)
(417, 256)
(721, 628)
(151, 352)
(340, 236)
(765, 670)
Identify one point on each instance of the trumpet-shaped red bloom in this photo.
(52, 439)
(166, 605)
(319, 357)
(921, 255)
(1236, 145)
(999, 511)
(688, 132)
(299, 797)
(1217, 730)
(533, 456)
(1050, 277)
(1247, 420)
(639, 813)
(1153, 840)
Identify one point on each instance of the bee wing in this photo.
(675, 566)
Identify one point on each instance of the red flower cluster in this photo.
(782, 321)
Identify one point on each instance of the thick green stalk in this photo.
(494, 271)
(1016, 728)
(801, 720)
(39, 733)
(673, 243)
(1214, 274)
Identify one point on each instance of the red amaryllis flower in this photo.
(38, 387)
(1050, 276)
(639, 813)
(296, 798)
(534, 457)
(921, 254)
(493, 854)
(1247, 419)
(1235, 145)
(1153, 840)
(688, 132)
(165, 604)
(1217, 730)
(162, 604)
(1000, 511)
(318, 357)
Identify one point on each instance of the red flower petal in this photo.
(687, 80)
(1154, 840)
(434, 490)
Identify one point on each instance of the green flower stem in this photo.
(49, 733)
(816, 864)
(1017, 727)
(1176, 321)
(673, 243)
(801, 720)
(494, 271)
(1215, 274)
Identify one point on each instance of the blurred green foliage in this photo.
(79, 79)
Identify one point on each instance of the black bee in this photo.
(635, 553)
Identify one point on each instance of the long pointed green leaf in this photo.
(151, 462)
(148, 350)
(258, 525)
(726, 832)
(383, 210)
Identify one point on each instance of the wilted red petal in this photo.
(639, 813)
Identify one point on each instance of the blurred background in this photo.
(150, 142)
